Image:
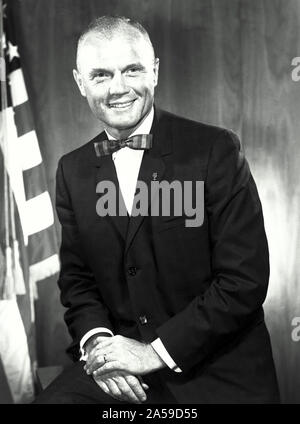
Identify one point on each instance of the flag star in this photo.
(4, 10)
(12, 51)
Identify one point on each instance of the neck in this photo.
(123, 133)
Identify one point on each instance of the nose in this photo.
(117, 85)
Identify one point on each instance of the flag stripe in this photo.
(39, 213)
(41, 245)
(23, 119)
(29, 150)
(30, 176)
(17, 87)
(14, 352)
(43, 269)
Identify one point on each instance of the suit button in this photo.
(143, 320)
(132, 271)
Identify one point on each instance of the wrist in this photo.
(154, 361)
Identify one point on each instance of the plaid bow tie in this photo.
(137, 142)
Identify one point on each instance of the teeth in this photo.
(120, 105)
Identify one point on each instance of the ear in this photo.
(156, 71)
(78, 78)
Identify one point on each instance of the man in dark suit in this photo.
(159, 311)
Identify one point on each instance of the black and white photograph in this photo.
(149, 204)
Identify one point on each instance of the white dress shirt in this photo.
(127, 163)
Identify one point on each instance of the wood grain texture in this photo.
(270, 133)
(223, 62)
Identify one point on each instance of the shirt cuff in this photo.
(163, 353)
(89, 334)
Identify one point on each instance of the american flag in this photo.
(28, 245)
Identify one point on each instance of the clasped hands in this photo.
(117, 364)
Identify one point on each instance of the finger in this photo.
(102, 356)
(94, 351)
(98, 349)
(93, 358)
(108, 367)
(90, 360)
(105, 388)
(114, 389)
(95, 364)
(98, 360)
(126, 389)
(94, 346)
(136, 386)
(144, 385)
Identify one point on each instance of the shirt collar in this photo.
(143, 128)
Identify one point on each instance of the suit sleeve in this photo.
(79, 293)
(239, 262)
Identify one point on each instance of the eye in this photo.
(101, 76)
(133, 71)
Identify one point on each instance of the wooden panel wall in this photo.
(270, 38)
(226, 62)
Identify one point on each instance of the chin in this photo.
(123, 123)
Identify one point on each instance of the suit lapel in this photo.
(153, 167)
(105, 170)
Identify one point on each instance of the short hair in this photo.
(108, 25)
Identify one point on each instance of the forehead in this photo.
(116, 51)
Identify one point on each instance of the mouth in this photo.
(121, 105)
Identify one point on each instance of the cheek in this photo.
(92, 101)
(143, 86)
(96, 94)
(96, 105)
(146, 93)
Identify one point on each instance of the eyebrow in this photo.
(134, 65)
(96, 71)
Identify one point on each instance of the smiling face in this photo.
(117, 75)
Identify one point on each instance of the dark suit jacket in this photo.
(200, 289)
